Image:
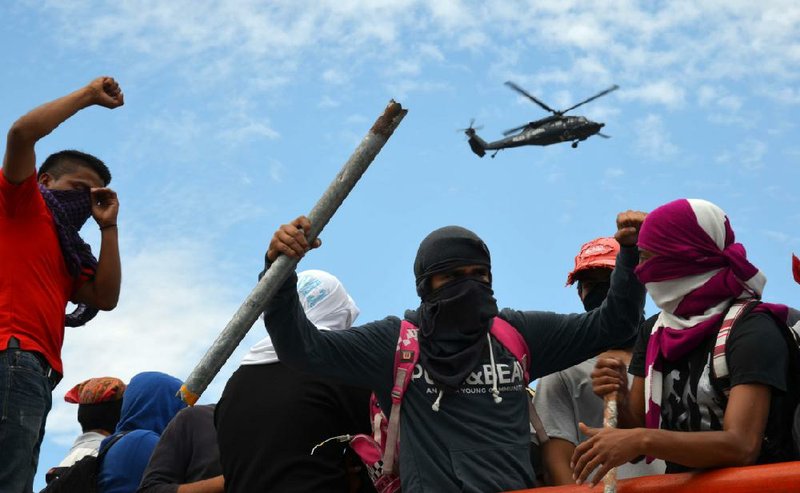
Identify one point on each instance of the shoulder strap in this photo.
(405, 359)
(719, 361)
(106, 446)
(512, 340)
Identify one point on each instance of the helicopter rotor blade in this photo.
(515, 129)
(598, 95)
(525, 93)
(471, 126)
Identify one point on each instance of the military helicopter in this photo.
(548, 130)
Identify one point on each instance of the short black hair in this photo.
(63, 162)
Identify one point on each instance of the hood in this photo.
(150, 402)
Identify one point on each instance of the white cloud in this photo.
(431, 52)
(334, 76)
(327, 102)
(626, 42)
(710, 96)
(169, 311)
(276, 171)
(662, 92)
(402, 88)
(749, 155)
(239, 124)
(246, 130)
(653, 139)
(784, 95)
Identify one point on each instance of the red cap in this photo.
(96, 390)
(598, 253)
(796, 268)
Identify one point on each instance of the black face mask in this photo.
(595, 297)
(454, 321)
(460, 307)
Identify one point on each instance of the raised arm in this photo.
(102, 291)
(558, 341)
(19, 161)
(360, 356)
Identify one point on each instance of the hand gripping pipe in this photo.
(326, 206)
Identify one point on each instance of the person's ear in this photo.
(45, 179)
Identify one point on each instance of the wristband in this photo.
(108, 226)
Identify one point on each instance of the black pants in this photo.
(268, 420)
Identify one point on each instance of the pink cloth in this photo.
(697, 273)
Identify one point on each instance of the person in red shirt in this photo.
(44, 263)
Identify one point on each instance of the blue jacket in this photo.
(148, 405)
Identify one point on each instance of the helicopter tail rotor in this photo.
(471, 128)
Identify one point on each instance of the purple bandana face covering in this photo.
(71, 209)
(76, 204)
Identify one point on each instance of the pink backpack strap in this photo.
(405, 359)
(719, 361)
(512, 340)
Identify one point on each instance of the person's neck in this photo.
(101, 431)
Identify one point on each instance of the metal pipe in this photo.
(326, 206)
(610, 421)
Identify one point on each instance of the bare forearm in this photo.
(44, 119)
(109, 271)
(631, 408)
(700, 450)
(20, 160)
(556, 455)
(212, 485)
(102, 292)
(628, 417)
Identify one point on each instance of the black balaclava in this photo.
(595, 297)
(454, 319)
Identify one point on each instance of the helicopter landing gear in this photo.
(575, 145)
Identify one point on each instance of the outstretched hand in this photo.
(105, 91)
(628, 225)
(605, 449)
(290, 240)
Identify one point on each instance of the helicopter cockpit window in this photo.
(582, 119)
(558, 123)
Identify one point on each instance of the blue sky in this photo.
(239, 113)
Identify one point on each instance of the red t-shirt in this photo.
(35, 284)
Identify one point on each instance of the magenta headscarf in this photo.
(698, 272)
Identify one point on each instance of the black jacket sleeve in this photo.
(361, 356)
(557, 341)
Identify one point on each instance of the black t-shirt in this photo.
(186, 452)
(756, 353)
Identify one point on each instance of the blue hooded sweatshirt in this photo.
(148, 405)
